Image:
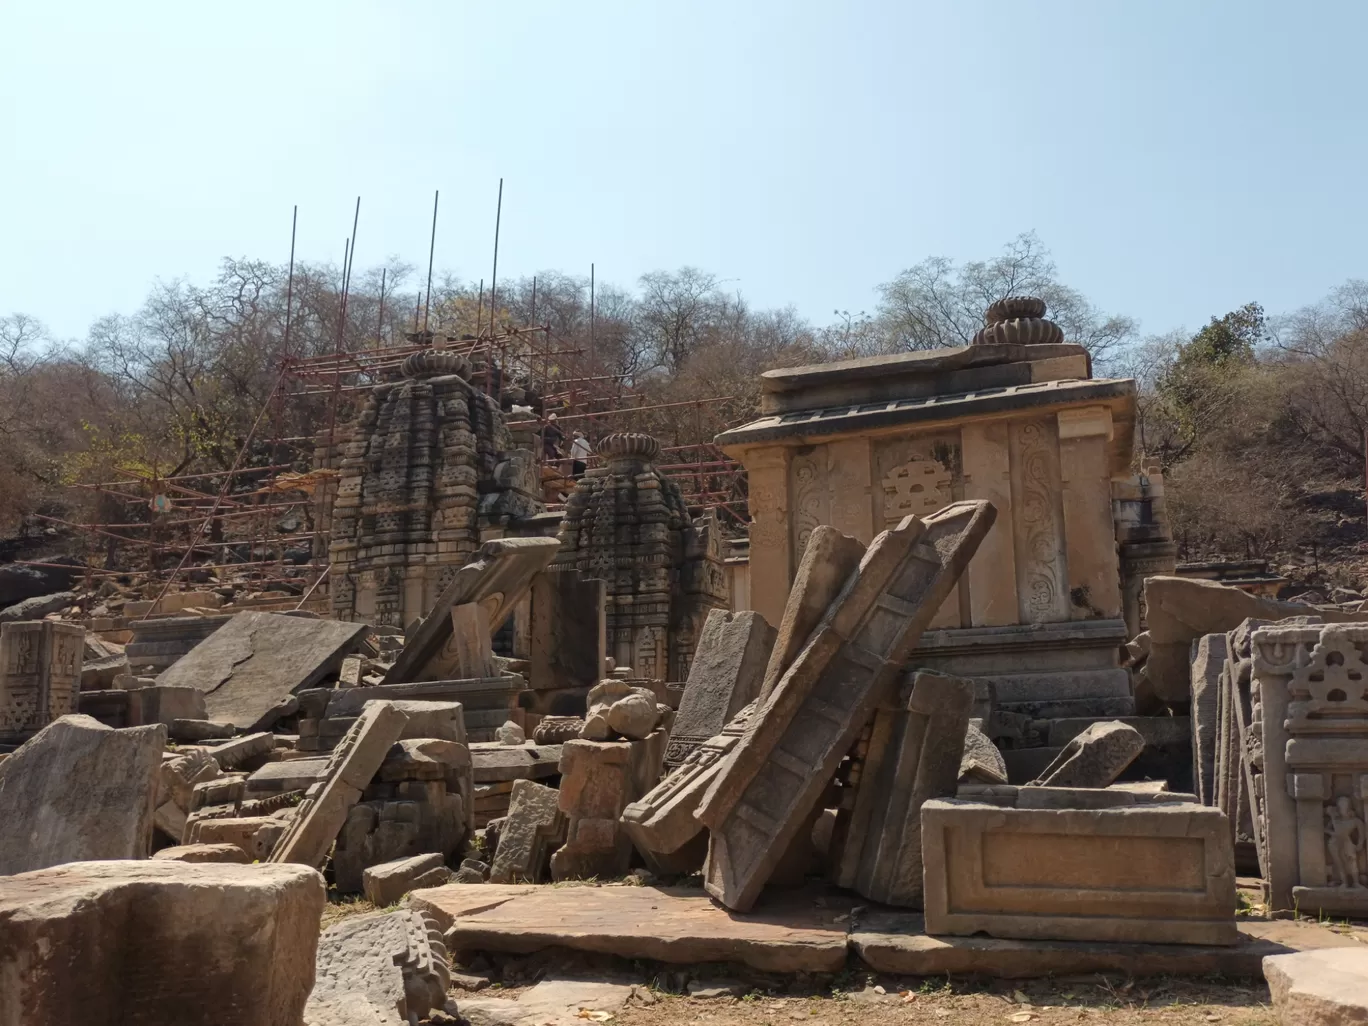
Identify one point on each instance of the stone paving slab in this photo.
(791, 932)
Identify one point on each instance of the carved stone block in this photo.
(533, 828)
(1207, 664)
(1153, 873)
(40, 673)
(727, 671)
(1095, 757)
(804, 727)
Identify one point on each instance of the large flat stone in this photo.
(669, 925)
(79, 790)
(553, 1002)
(249, 667)
(157, 941)
(898, 943)
(1319, 988)
(493, 762)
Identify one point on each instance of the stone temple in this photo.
(426, 473)
(626, 523)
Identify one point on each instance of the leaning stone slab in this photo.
(498, 575)
(355, 760)
(1095, 758)
(532, 830)
(662, 821)
(79, 790)
(1155, 873)
(1208, 660)
(913, 755)
(982, 762)
(829, 558)
(250, 667)
(242, 751)
(388, 882)
(386, 968)
(158, 941)
(1319, 988)
(806, 725)
(727, 671)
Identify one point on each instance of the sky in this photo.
(1179, 159)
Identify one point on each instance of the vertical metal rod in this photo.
(494, 276)
(479, 309)
(380, 320)
(432, 248)
(592, 324)
(533, 318)
(289, 286)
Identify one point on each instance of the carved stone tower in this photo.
(626, 523)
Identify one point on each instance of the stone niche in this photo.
(1307, 757)
(425, 474)
(1017, 419)
(626, 523)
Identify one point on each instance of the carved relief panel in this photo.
(1038, 523)
(1309, 697)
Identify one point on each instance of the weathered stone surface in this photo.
(510, 734)
(828, 560)
(188, 731)
(675, 925)
(556, 730)
(1179, 610)
(1155, 873)
(497, 576)
(38, 607)
(388, 882)
(203, 853)
(442, 720)
(286, 775)
(19, 581)
(569, 641)
(353, 763)
(1308, 766)
(981, 762)
(662, 821)
(618, 710)
(243, 752)
(805, 726)
(395, 962)
(257, 836)
(494, 762)
(913, 755)
(897, 942)
(728, 669)
(154, 703)
(99, 673)
(1319, 988)
(250, 667)
(40, 674)
(77, 791)
(1094, 758)
(552, 1002)
(599, 779)
(158, 941)
(532, 830)
(1208, 659)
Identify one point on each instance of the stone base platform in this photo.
(812, 930)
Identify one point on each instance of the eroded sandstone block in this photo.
(1328, 987)
(40, 674)
(804, 727)
(385, 968)
(230, 853)
(79, 790)
(1152, 873)
(1207, 663)
(728, 669)
(982, 762)
(532, 830)
(388, 882)
(914, 755)
(1094, 758)
(158, 941)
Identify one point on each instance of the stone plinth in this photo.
(626, 524)
(1153, 873)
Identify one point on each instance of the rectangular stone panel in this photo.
(726, 674)
(569, 641)
(804, 727)
(1150, 873)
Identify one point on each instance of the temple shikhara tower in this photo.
(427, 472)
(626, 523)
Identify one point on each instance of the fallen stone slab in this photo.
(385, 968)
(492, 762)
(533, 829)
(1319, 988)
(79, 790)
(98, 674)
(286, 775)
(553, 1002)
(451, 901)
(897, 942)
(240, 752)
(158, 941)
(203, 853)
(38, 607)
(250, 667)
(388, 882)
(668, 925)
(1095, 758)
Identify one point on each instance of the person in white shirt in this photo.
(579, 454)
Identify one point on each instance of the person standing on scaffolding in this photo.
(579, 455)
(551, 439)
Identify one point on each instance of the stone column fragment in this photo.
(1094, 758)
(804, 727)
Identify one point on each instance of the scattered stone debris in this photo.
(387, 968)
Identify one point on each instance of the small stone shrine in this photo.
(427, 472)
(1016, 419)
(626, 523)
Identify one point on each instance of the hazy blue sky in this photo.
(1179, 158)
